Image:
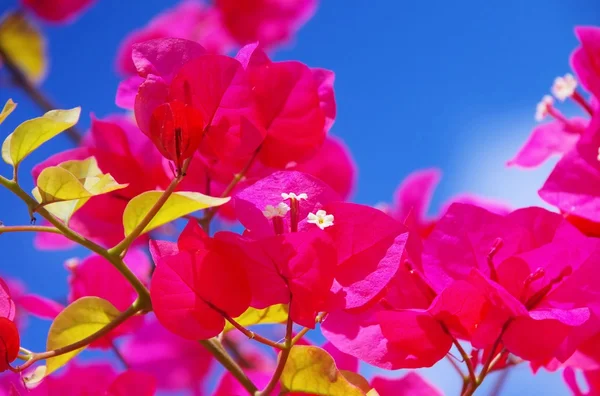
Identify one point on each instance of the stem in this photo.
(53, 230)
(468, 362)
(33, 92)
(128, 240)
(582, 102)
(253, 336)
(283, 357)
(119, 355)
(35, 357)
(210, 213)
(216, 349)
(117, 262)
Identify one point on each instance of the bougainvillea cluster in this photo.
(216, 133)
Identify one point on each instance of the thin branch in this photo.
(33, 92)
(251, 335)
(36, 357)
(216, 349)
(467, 359)
(5, 229)
(119, 355)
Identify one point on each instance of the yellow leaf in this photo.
(310, 369)
(77, 321)
(22, 42)
(357, 380)
(33, 133)
(178, 205)
(65, 188)
(270, 315)
(372, 392)
(8, 108)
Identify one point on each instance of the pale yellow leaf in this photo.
(33, 133)
(357, 380)
(23, 43)
(310, 369)
(178, 205)
(81, 319)
(65, 188)
(7, 109)
(274, 314)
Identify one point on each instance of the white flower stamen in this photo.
(564, 87)
(294, 196)
(321, 219)
(276, 211)
(543, 107)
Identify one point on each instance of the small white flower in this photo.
(564, 87)
(543, 107)
(72, 263)
(276, 211)
(294, 196)
(321, 219)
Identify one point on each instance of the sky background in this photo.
(418, 84)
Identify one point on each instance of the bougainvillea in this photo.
(213, 135)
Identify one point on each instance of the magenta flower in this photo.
(585, 60)
(57, 11)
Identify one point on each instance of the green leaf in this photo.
(310, 369)
(65, 188)
(81, 319)
(178, 205)
(23, 43)
(274, 314)
(33, 133)
(7, 109)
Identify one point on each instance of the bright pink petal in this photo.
(176, 363)
(413, 196)
(586, 59)
(370, 247)
(572, 185)
(229, 386)
(164, 57)
(412, 384)
(133, 382)
(127, 91)
(39, 306)
(334, 165)
(546, 140)
(251, 202)
(324, 79)
(153, 92)
(343, 361)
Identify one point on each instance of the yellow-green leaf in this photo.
(178, 205)
(65, 188)
(274, 314)
(7, 109)
(23, 43)
(81, 319)
(357, 380)
(310, 369)
(33, 133)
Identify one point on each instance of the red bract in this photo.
(586, 59)
(296, 268)
(57, 11)
(193, 290)
(7, 305)
(189, 20)
(592, 379)
(176, 363)
(9, 342)
(176, 131)
(572, 184)
(270, 22)
(132, 382)
(546, 140)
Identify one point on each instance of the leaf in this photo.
(357, 380)
(7, 109)
(34, 377)
(23, 43)
(310, 369)
(77, 321)
(274, 314)
(178, 205)
(65, 188)
(33, 133)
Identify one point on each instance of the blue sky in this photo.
(418, 84)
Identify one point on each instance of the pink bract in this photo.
(59, 11)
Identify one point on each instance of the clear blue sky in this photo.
(418, 84)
